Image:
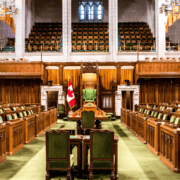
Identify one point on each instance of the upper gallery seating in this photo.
(90, 37)
(10, 46)
(132, 34)
(47, 35)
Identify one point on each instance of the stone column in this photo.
(20, 29)
(110, 10)
(113, 29)
(160, 30)
(64, 27)
(69, 33)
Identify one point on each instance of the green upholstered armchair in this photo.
(58, 155)
(89, 95)
(102, 151)
(60, 109)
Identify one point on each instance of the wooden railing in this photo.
(157, 69)
(21, 70)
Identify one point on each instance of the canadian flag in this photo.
(70, 95)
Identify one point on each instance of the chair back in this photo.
(60, 107)
(89, 95)
(57, 150)
(88, 121)
(101, 149)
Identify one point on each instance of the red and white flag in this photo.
(70, 95)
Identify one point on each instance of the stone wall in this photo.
(48, 10)
(29, 16)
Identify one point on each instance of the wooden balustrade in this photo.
(39, 124)
(14, 136)
(170, 147)
(157, 69)
(22, 70)
(2, 143)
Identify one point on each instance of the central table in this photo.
(77, 140)
(100, 115)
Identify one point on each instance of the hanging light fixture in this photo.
(8, 4)
(170, 6)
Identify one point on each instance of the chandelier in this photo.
(170, 6)
(10, 5)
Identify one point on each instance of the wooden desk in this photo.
(99, 116)
(86, 143)
(170, 147)
(2, 143)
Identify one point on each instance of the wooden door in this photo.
(52, 98)
(127, 99)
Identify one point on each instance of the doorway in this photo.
(127, 99)
(52, 98)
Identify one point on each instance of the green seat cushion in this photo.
(172, 119)
(109, 117)
(61, 164)
(58, 164)
(113, 119)
(65, 118)
(60, 112)
(176, 121)
(109, 113)
(101, 164)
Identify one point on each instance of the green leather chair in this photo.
(58, 155)
(87, 121)
(89, 95)
(60, 109)
(101, 152)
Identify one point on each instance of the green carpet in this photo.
(135, 161)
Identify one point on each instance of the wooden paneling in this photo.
(127, 74)
(20, 91)
(159, 90)
(53, 74)
(158, 69)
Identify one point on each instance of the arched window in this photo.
(91, 11)
(82, 12)
(100, 12)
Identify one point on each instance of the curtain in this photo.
(107, 75)
(73, 74)
(127, 74)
